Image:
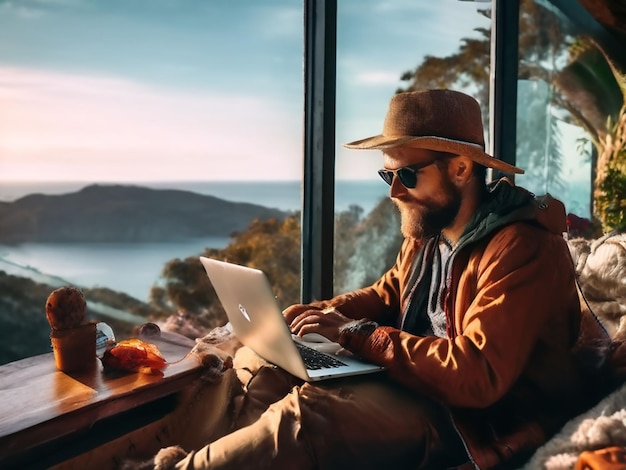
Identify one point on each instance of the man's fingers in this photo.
(292, 312)
(309, 328)
(304, 319)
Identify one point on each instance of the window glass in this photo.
(552, 145)
(383, 47)
(135, 137)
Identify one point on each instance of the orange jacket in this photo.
(510, 369)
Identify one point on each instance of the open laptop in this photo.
(258, 323)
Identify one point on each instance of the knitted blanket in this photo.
(602, 426)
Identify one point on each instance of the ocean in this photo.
(133, 268)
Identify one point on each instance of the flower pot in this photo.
(74, 348)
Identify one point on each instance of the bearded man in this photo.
(478, 324)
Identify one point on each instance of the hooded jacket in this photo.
(510, 369)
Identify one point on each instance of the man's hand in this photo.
(291, 312)
(303, 319)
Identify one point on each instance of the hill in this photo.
(121, 213)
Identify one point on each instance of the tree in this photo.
(374, 244)
(364, 248)
(270, 245)
(344, 246)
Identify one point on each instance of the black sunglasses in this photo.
(406, 174)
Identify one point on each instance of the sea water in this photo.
(125, 267)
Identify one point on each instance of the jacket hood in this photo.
(507, 203)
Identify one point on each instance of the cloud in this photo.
(21, 11)
(31, 9)
(377, 77)
(69, 127)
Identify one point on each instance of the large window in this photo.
(105, 105)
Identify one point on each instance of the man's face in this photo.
(434, 202)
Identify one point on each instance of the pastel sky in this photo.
(154, 90)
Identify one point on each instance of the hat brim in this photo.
(439, 144)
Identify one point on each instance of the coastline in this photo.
(129, 268)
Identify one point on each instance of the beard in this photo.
(422, 220)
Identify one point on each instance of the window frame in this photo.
(318, 202)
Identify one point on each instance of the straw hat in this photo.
(441, 120)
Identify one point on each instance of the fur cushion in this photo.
(602, 426)
(601, 268)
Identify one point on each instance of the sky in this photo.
(166, 90)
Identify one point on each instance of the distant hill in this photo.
(125, 214)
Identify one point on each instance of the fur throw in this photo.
(601, 269)
(602, 426)
(165, 459)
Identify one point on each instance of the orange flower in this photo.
(134, 355)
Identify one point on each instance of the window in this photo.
(103, 102)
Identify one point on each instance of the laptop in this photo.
(258, 322)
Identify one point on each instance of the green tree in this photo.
(270, 245)
(374, 244)
(364, 248)
(345, 224)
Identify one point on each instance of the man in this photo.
(478, 324)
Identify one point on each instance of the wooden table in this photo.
(47, 416)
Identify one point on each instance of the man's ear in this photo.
(461, 169)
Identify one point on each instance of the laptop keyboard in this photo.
(316, 360)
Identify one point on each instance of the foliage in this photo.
(468, 67)
(344, 247)
(26, 330)
(596, 91)
(272, 246)
(611, 200)
(589, 89)
(374, 244)
(364, 248)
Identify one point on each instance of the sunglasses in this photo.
(407, 174)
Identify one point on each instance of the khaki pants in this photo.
(358, 422)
